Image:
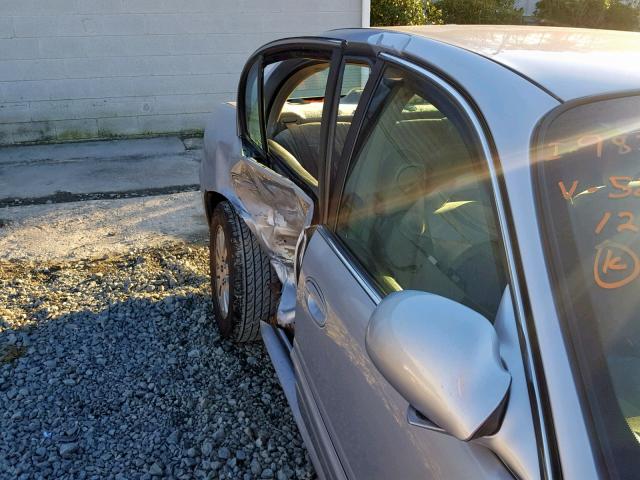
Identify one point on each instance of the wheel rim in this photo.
(222, 271)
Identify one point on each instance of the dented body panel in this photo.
(276, 210)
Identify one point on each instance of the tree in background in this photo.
(433, 12)
(611, 14)
(420, 12)
(494, 12)
(397, 12)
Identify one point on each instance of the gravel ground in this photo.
(113, 368)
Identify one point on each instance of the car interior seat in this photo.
(432, 202)
(302, 142)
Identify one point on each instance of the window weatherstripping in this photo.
(339, 166)
(350, 262)
(335, 132)
(251, 74)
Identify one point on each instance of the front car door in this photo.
(414, 210)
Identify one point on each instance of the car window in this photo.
(252, 114)
(295, 125)
(588, 166)
(416, 209)
(354, 79)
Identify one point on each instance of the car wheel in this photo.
(244, 286)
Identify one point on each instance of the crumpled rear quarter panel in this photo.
(275, 209)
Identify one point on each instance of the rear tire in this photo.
(250, 293)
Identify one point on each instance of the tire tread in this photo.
(256, 284)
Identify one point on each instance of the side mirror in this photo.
(443, 358)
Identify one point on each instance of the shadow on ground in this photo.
(134, 382)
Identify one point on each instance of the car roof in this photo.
(567, 62)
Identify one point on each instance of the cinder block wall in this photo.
(73, 69)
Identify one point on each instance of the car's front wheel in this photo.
(244, 286)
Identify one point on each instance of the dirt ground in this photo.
(99, 227)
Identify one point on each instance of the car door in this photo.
(281, 107)
(298, 83)
(414, 210)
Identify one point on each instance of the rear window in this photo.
(588, 166)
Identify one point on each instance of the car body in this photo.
(458, 281)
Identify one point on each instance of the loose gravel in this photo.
(113, 368)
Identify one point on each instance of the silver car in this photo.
(436, 232)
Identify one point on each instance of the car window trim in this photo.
(263, 136)
(327, 132)
(350, 142)
(321, 56)
(351, 263)
(333, 119)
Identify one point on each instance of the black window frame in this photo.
(321, 56)
(330, 174)
(325, 49)
(255, 150)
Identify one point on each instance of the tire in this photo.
(252, 287)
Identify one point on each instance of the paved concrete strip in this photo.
(65, 197)
(108, 149)
(99, 227)
(134, 168)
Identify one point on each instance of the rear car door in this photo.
(297, 82)
(413, 210)
(281, 107)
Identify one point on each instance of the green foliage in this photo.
(433, 12)
(420, 12)
(493, 12)
(610, 14)
(386, 13)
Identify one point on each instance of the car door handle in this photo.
(316, 305)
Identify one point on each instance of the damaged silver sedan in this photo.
(435, 232)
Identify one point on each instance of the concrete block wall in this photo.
(73, 69)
